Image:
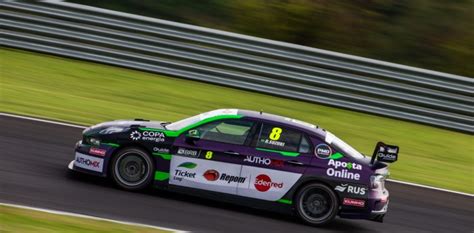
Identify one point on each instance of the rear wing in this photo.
(385, 153)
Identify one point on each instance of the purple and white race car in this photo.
(246, 157)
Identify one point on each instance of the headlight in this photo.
(377, 181)
(113, 129)
(94, 141)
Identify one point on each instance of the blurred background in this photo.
(83, 65)
(429, 34)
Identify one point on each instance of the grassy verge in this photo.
(25, 220)
(87, 93)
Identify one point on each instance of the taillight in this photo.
(377, 182)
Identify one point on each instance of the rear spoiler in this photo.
(385, 153)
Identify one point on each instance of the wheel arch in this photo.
(309, 180)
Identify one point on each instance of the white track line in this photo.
(90, 217)
(82, 127)
(42, 120)
(430, 187)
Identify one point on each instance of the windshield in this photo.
(342, 146)
(183, 123)
(178, 125)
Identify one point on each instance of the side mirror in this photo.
(385, 153)
(192, 135)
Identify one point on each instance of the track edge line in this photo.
(70, 214)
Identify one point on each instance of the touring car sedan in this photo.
(246, 157)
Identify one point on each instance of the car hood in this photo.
(123, 124)
(128, 123)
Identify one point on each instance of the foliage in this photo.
(432, 34)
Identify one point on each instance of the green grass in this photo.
(26, 221)
(87, 93)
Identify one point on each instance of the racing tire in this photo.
(132, 169)
(316, 204)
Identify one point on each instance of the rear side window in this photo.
(305, 147)
(279, 138)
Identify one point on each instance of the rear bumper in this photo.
(378, 215)
(375, 210)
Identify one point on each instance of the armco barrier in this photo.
(230, 59)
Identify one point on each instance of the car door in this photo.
(212, 159)
(278, 158)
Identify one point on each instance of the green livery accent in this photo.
(284, 153)
(285, 201)
(188, 165)
(162, 175)
(349, 165)
(336, 156)
(173, 134)
(164, 156)
(111, 144)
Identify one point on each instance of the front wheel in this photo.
(132, 169)
(316, 204)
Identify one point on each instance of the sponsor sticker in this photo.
(351, 189)
(161, 150)
(188, 152)
(264, 161)
(272, 142)
(343, 169)
(387, 157)
(88, 162)
(97, 151)
(323, 151)
(263, 183)
(266, 183)
(180, 174)
(213, 175)
(152, 136)
(353, 202)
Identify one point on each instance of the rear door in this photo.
(278, 158)
(214, 161)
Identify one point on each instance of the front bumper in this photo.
(88, 159)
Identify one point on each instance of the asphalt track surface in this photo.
(34, 157)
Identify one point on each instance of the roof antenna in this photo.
(261, 111)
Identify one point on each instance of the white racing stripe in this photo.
(91, 217)
(82, 127)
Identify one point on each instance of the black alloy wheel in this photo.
(132, 169)
(316, 204)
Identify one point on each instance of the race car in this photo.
(246, 157)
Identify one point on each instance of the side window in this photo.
(228, 131)
(305, 147)
(279, 138)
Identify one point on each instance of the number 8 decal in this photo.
(275, 134)
(208, 155)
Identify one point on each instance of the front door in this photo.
(212, 160)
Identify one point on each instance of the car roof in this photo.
(284, 121)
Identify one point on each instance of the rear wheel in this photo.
(132, 169)
(316, 204)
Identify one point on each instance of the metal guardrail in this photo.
(235, 60)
